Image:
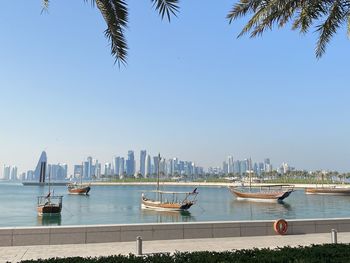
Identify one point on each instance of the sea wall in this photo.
(23, 236)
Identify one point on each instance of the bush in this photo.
(315, 253)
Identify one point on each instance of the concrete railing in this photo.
(22, 236)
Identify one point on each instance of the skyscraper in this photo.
(40, 170)
(155, 162)
(143, 162)
(121, 168)
(130, 164)
(230, 164)
(89, 167)
(7, 172)
(148, 166)
(116, 165)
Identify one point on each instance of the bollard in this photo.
(139, 246)
(334, 236)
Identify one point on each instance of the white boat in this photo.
(167, 200)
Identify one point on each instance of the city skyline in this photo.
(143, 165)
(202, 98)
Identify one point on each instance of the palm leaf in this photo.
(166, 7)
(303, 14)
(115, 13)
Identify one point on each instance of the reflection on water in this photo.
(49, 220)
(167, 216)
(122, 205)
(254, 210)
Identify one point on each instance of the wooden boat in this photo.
(273, 193)
(49, 204)
(270, 193)
(328, 190)
(79, 188)
(168, 201)
(162, 203)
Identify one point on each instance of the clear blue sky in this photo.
(190, 89)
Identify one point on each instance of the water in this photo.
(121, 204)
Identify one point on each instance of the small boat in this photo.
(49, 204)
(162, 203)
(79, 188)
(328, 190)
(168, 201)
(266, 193)
(272, 193)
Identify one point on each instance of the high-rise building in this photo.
(40, 170)
(225, 167)
(86, 170)
(97, 169)
(155, 163)
(58, 172)
(148, 166)
(77, 172)
(89, 167)
(143, 162)
(121, 167)
(13, 175)
(108, 169)
(130, 164)
(116, 165)
(30, 175)
(230, 164)
(7, 172)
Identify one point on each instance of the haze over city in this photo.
(200, 99)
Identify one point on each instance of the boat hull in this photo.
(155, 205)
(79, 190)
(50, 209)
(270, 196)
(328, 191)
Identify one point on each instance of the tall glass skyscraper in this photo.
(143, 162)
(130, 164)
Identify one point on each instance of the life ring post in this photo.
(280, 226)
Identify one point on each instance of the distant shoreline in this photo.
(194, 184)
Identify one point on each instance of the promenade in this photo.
(18, 253)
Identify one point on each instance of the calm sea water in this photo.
(121, 204)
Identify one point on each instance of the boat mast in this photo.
(49, 186)
(250, 173)
(158, 172)
(81, 174)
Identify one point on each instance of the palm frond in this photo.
(302, 13)
(329, 27)
(115, 13)
(166, 7)
(45, 5)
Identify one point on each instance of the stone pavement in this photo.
(18, 253)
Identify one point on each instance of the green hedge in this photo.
(315, 253)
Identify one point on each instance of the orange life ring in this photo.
(280, 226)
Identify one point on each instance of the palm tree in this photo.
(115, 13)
(327, 16)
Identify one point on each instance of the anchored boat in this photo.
(166, 200)
(49, 204)
(327, 190)
(269, 193)
(79, 188)
(273, 193)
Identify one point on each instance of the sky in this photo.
(190, 90)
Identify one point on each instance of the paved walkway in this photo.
(16, 254)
